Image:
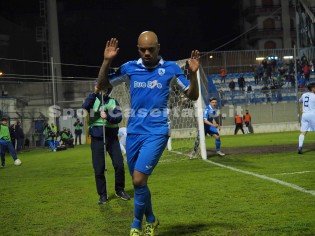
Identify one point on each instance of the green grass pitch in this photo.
(240, 194)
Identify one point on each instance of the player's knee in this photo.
(139, 179)
(138, 182)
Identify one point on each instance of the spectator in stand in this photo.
(256, 78)
(249, 93)
(303, 59)
(265, 90)
(260, 72)
(306, 72)
(269, 70)
(238, 124)
(273, 89)
(19, 135)
(282, 71)
(241, 82)
(223, 75)
(301, 82)
(280, 63)
(299, 67)
(222, 97)
(287, 80)
(232, 88)
(264, 64)
(290, 67)
(247, 120)
(265, 79)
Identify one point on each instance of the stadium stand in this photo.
(282, 94)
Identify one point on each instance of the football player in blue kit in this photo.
(149, 79)
(211, 128)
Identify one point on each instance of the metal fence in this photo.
(27, 97)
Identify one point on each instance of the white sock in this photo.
(246, 130)
(301, 140)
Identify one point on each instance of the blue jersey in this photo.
(149, 92)
(210, 113)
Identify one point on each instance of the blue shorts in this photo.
(211, 130)
(144, 151)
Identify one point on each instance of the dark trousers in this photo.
(19, 144)
(98, 161)
(237, 127)
(76, 137)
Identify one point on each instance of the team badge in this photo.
(161, 71)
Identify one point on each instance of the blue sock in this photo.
(218, 144)
(148, 209)
(140, 199)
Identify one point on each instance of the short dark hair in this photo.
(310, 86)
(212, 98)
(4, 119)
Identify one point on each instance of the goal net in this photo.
(183, 115)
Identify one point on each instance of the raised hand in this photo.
(192, 63)
(111, 49)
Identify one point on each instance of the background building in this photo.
(271, 24)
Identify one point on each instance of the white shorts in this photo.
(308, 122)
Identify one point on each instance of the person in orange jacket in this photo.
(247, 120)
(238, 124)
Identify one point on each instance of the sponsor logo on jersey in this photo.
(150, 84)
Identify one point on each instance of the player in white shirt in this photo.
(308, 116)
(122, 135)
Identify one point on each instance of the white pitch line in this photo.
(295, 173)
(312, 192)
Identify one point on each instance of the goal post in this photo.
(200, 108)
